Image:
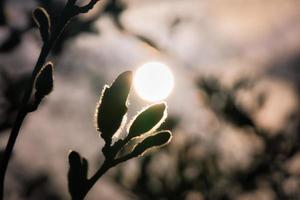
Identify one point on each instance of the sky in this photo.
(229, 40)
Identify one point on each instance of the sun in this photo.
(153, 81)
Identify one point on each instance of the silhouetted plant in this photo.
(13, 97)
(142, 134)
(198, 170)
(110, 112)
(41, 81)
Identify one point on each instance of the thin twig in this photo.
(69, 11)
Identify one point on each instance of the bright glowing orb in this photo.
(153, 81)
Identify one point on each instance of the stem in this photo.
(89, 183)
(104, 168)
(23, 111)
(101, 171)
(8, 150)
(67, 14)
(20, 118)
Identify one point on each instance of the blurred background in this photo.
(234, 110)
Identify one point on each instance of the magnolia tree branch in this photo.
(41, 17)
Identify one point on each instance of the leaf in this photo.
(44, 81)
(112, 107)
(147, 120)
(42, 19)
(159, 139)
(77, 175)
